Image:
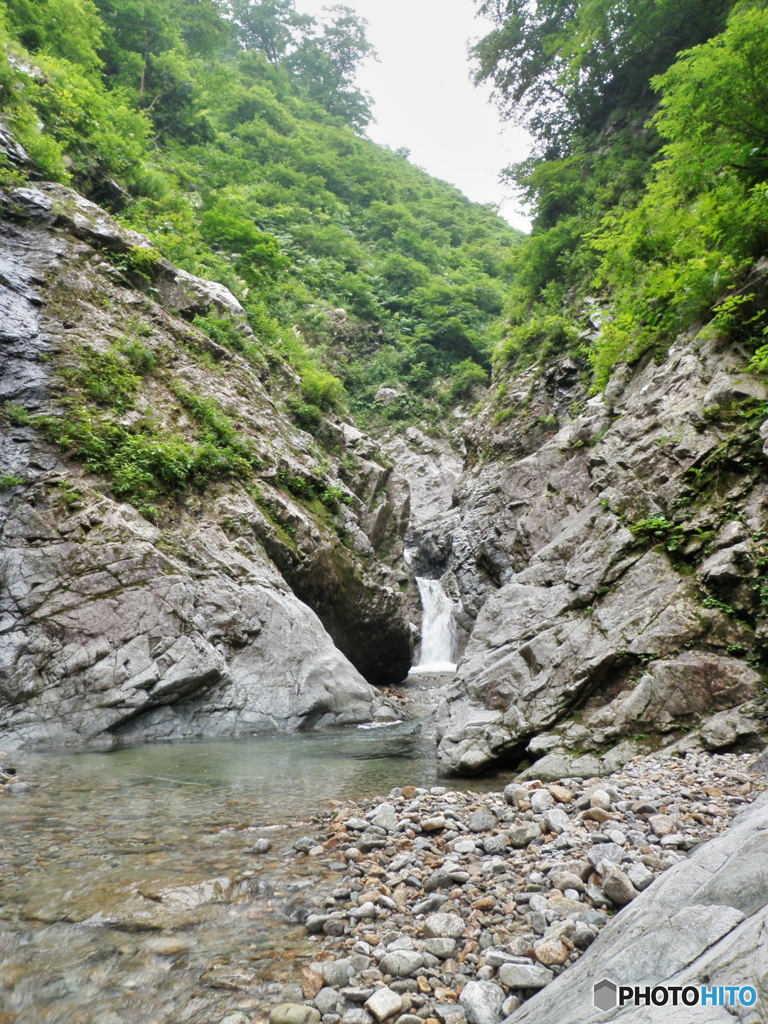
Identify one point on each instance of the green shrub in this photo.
(544, 334)
(306, 415)
(319, 387)
(333, 496)
(465, 376)
(16, 414)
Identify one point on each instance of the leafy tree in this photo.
(328, 63)
(562, 67)
(272, 26)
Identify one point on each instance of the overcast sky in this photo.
(424, 100)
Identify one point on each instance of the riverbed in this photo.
(130, 894)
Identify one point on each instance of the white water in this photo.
(438, 630)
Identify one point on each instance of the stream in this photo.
(129, 892)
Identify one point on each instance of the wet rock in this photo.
(261, 846)
(327, 1000)
(311, 982)
(336, 973)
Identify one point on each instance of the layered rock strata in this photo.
(201, 623)
(610, 564)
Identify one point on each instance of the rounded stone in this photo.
(443, 926)
(294, 1013)
(600, 799)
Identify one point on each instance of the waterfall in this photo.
(438, 631)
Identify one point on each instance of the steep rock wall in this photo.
(112, 626)
(610, 565)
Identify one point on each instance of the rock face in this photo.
(609, 565)
(702, 923)
(112, 627)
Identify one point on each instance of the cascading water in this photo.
(438, 631)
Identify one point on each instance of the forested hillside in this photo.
(648, 182)
(232, 134)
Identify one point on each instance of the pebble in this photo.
(294, 1013)
(482, 1002)
(525, 975)
(600, 799)
(449, 926)
(384, 1003)
(455, 907)
(617, 886)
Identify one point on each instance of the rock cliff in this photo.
(190, 613)
(609, 553)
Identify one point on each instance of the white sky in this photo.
(424, 100)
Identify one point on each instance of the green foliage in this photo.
(16, 414)
(106, 378)
(563, 68)
(321, 389)
(704, 217)
(333, 496)
(465, 376)
(309, 417)
(233, 130)
(10, 480)
(141, 359)
(650, 180)
(137, 261)
(658, 528)
(542, 335)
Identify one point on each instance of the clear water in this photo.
(106, 856)
(438, 629)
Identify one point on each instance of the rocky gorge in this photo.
(111, 628)
(605, 555)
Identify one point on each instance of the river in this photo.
(129, 895)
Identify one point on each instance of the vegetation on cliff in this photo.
(232, 133)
